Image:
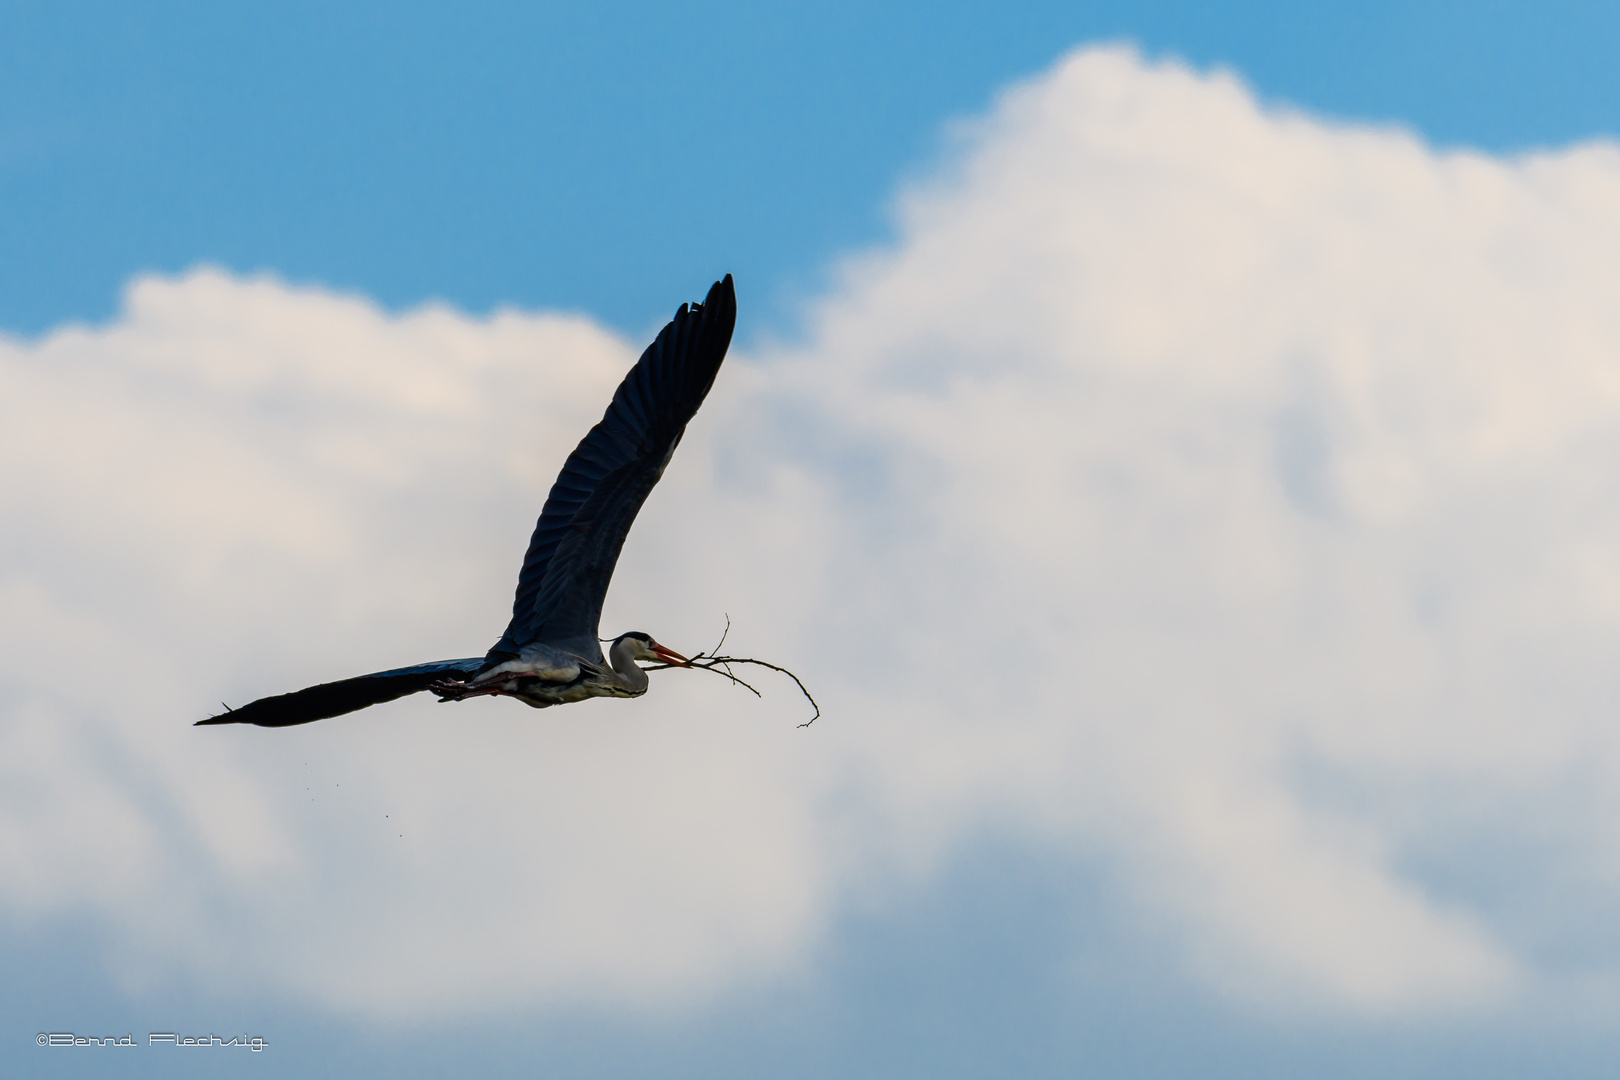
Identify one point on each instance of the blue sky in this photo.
(998, 919)
(582, 156)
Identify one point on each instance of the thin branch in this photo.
(722, 643)
(713, 661)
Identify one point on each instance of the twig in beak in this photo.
(711, 661)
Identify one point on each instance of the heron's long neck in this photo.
(625, 665)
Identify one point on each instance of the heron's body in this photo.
(550, 653)
(543, 675)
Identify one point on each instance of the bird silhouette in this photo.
(550, 653)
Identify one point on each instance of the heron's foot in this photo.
(455, 689)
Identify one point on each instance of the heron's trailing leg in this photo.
(456, 690)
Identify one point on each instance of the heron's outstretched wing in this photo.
(596, 497)
(344, 696)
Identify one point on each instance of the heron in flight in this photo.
(550, 653)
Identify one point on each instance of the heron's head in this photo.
(643, 647)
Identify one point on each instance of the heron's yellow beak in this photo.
(669, 656)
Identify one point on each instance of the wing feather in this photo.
(600, 490)
(345, 696)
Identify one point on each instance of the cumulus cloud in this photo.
(1205, 486)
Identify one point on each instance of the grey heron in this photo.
(550, 653)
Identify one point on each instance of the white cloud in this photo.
(1225, 492)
